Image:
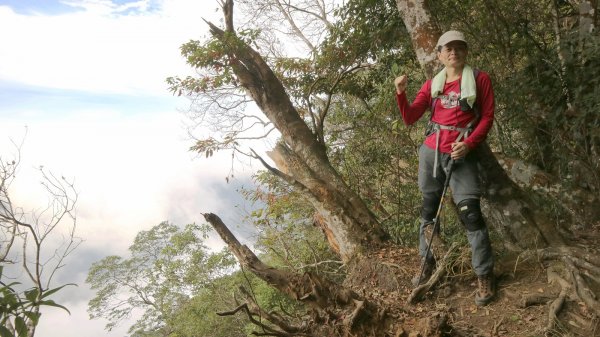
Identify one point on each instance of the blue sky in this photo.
(51, 7)
(16, 97)
(87, 80)
(41, 6)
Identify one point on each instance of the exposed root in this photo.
(577, 263)
(335, 309)
(595, 326)
(577, 271)
(535, 299)
(351, 319)
(433, 326)
(272, 317)
(439, 273)
(558, 303)
(267, 330)
(555, 308)
(259, 317)
(581, 287)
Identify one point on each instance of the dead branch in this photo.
(321, 294)
(440, 272)
(309, 288)
(282, 324)
(251, 315)
(496, 327)
(35, 232)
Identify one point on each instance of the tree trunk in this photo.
(510, 211)
(587, 17)
(423, 32)
(347, 220)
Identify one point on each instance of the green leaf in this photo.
(20, 326)
(4, 332)
(32, 294)
(8, 286)
(33, 316)
(52, 291)
(51, 303)
(11, 300)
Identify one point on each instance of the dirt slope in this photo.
(449, 309)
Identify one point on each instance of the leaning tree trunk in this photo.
(347, 221)
(336, 309)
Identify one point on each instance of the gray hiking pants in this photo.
(464, 183)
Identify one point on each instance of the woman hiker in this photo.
(461, 100)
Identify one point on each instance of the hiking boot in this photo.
(428, 266)
(438, 245)
(485, 290)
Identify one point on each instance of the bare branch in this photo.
(303, 20)
(35, 232)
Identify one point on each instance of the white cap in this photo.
(449, 36)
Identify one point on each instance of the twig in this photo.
(439, 273)
(496, 326)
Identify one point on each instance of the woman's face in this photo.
(453, 54)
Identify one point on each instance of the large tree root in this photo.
(576, 271)
(440, 272)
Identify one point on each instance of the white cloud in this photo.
(100, 48)
(132, 169)
(131, 173)
(57, 322)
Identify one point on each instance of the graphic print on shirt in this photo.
(450, 101)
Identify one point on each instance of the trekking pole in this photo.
(436, 220)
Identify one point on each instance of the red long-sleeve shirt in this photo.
(448, 112)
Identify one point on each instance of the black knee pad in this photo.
(469, 211)
(430, 207)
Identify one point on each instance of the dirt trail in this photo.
(507, 315)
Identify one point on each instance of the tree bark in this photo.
(510, 211)
(303, 159)
(423, 32)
